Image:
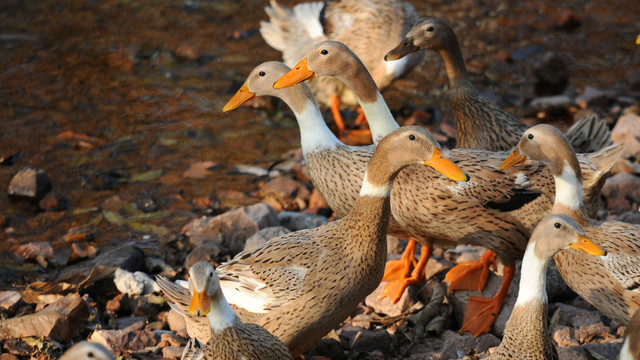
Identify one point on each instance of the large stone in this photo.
(627, 132)
(258, 239)
(385, 306)
(9, 300)
(623, 185)
(128, 258)
(175, 321)
(456, 345)
(552, 75)
(124, 342)
(207, 251)
(29, 183)
(592, 97)
(59, 321)
(289, 194)
(295, 221)
(232, 228)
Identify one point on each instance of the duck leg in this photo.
(482, 312)
(334, 104)
(394, 289)
(471, 275)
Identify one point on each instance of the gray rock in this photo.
(136, 283)
(128, 258)
(258, 239)
(627, 131)
(370, 340)
(622, 185)
(206, 251)
(385, 306)
(131, 323)
(552, 74)
(295, 221)
(29, 183)
(592, 97)
(232, 228)
(456, 344)
(122, 341)
(551, 103)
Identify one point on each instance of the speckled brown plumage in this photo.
(480, 124)
(611, 283)
(369, 27)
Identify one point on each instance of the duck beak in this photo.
(446, 167)
(242, 96)
(514, 158)
(200, 303)
(405, 48)
(584, 244)
(298, 74)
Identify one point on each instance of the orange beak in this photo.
(446, 167)
(242, 96)
(200, 304)
(298, 74)
(514, 158)
(584, 244)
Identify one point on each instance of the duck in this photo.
(480, 124)
(301, 285)
(369, 27)
(424, 204)
(526, 335)
(610, 283)
(87, 350)
(230, 338)
(631, 345)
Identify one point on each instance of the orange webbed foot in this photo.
(471, 275)
(395, 288)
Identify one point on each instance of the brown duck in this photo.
(301, 285)
(369, 27)
(480, 124)
(611, 283)
(485, 211)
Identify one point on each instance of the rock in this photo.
(141, 305)
(10, 300)
(136, 283)
(128, 258)
(552, 75)
(33, 250)
(329, 348)
(564, 336)
(551, 103)
(627, 131)
(29, 183)
(592, 97)
(370, 340)
(258, 239)
(82, 233)
(118, 305)
(565, 19)
(121, 341)
(557, 288)
(172, 352)
(456, 346)
(633, 78)
(317, 204)
(288, 193)
(571, 353)
(232, 228)
(568, 315)
(131, 323)
(18, 347)
(627, 216)
(53, 202)
(295, 221)
(147, 204)
(168, 338)
(385, 306)
(623, 185)
(59, 321)
(206, 251)
(7, 356)
(9, 155)
(201, 170)
(175, 321)
(113, 203)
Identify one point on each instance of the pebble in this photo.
(135, 283)
(258, 239)
(295, 221)
(29, 183)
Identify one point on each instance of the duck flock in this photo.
(524, 193)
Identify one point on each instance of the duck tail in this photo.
(178, 296)
(293, 31)
(590, 133)
(600, 164)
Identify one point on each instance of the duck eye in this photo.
(530, 136)
(324, 52)
(89, 354)
(261, 73)
(430, 29)
(412, 137)
(557, 225)
(210, 275)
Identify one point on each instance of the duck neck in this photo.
(568, 179)
(533, 278)
(378, 115)
(221, 315)
(314, 134)
(454, 64)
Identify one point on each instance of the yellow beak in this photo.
(584, 244)
(242, 96)
(514, 158)
(298, 74)
(446, 167)
(200, 304)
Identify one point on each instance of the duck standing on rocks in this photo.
(526, 335)
(301, 285)
(369, 27)
(231, 339)
(610, 283)
(480, 124)
(485, 211)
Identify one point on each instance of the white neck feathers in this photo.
(533, 278)
(381, 122)
(369, 189)
(625, 352)
(221, 315)
(314, 134)
(568, 188)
